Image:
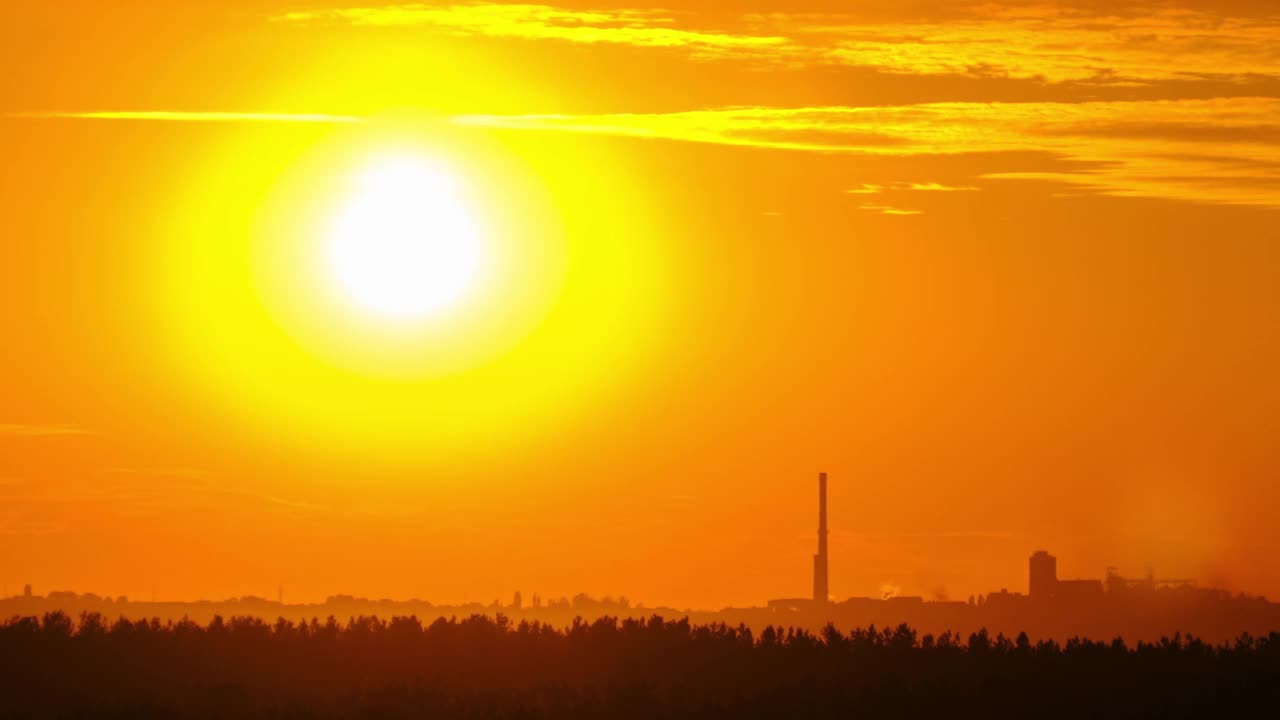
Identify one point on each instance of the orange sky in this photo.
(1007, 271)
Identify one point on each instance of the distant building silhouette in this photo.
(1045, 585)
(26, 590)
(820, 587)
(1044, 575)
(1142, 609)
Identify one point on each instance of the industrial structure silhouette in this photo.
(820, 592)
(1137, 609)
(1116, 605)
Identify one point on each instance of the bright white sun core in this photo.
(403, 244)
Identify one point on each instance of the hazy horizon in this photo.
(452, 299)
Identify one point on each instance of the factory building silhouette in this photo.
(820, 588)
(1045, 585)
(1051, 605)
(821, 563)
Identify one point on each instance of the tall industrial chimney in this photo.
(820, 594)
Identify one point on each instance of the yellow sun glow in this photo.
(404, 286)
(403, 244)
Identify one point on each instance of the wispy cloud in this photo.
(176, 472)
(184, 116)
(1057, 44)
(134, 493)
(821, 129)
(1110, 44)
(890, 210)
(645, 28)
(1174, 157)
(936, 187)
(1224, 150)
(162, 488)
(873, 189)
(866, 189)
(41, 430)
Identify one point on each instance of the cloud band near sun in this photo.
(189, 116)
(638, 27)
(1223, 151)
(1121, 43)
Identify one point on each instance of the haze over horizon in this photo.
(1006, 271)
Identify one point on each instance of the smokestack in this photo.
(820, 594)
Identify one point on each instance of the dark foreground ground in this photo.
(482, 668)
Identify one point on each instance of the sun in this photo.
(404, 289)
(403, 244)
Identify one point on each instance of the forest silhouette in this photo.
(491, 667)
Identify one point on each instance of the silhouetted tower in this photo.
(1044, 575)
(820, 560)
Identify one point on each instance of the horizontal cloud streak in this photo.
(870, 189)
(645, 28)
(185, 116)
(1096, 137)
(890, 210)
(1224, 151)
(45, 430)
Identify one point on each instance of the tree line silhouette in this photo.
(486, 667)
